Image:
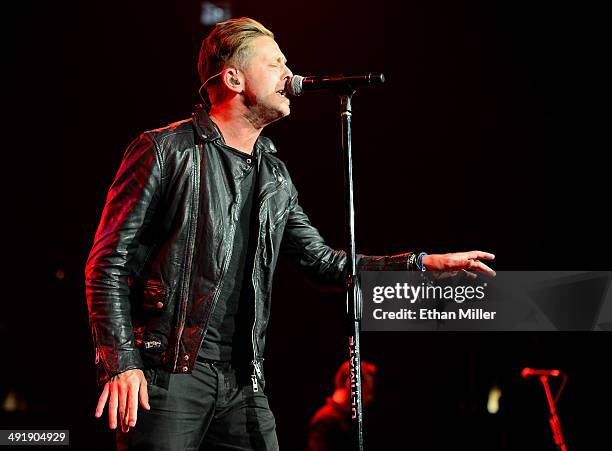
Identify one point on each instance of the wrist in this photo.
(420, 262)
(428, 262)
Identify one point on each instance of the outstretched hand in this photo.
(123, 391)
(467, 262)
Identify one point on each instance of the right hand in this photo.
(123, 391)
(468, 262)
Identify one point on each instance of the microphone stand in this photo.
(555, 423)
(353, 292)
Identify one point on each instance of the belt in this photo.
(219, 363)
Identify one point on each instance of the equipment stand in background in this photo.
(555, 423)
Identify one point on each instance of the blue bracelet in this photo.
(419, 262)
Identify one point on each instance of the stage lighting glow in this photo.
(213, 13)
(493, 401)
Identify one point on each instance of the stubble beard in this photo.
(263, 111)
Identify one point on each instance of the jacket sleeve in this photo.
(303, 244)
(130, 204)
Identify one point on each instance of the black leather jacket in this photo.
(165, 240)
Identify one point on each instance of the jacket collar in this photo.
(207, 131)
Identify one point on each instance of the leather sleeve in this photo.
(303, 244)
(130, 204)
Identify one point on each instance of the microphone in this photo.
(530, 372)
(298, 84)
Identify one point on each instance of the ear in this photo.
(232, 79)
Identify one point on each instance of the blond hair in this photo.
(228, 44)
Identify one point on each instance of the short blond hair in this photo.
(228, 43)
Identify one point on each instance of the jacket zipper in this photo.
(190, 248)
(257, 369)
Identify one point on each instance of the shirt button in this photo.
(249, 160)
(185, 369)
(159, 305)
(186, 357)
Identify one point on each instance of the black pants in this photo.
(209, 409)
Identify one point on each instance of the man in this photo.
(180, 274)
(330, 426)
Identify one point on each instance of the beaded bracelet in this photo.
(411, 261)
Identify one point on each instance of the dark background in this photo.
(488, 135)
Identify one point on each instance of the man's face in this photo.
(265, 75)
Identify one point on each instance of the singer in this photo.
(180, 273)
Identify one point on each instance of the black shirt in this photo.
(229, 330)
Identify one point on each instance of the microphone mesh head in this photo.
(293, 86)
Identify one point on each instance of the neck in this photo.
(238, 130)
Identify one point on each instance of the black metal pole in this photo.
(353, 293)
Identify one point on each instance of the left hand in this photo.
(467, 262)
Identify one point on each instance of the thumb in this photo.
(143, 395)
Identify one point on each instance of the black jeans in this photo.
(210, 409)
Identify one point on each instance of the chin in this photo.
(273, 113)
(282, 112)
(283, 108)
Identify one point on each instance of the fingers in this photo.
(471, 261)
(132, 402)
(479, 266)
(123, 407)
(480, 255)
(143, 394)
(102, 401)
(123, 393)
(469, 274)
(112, 408)
(467, 261)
